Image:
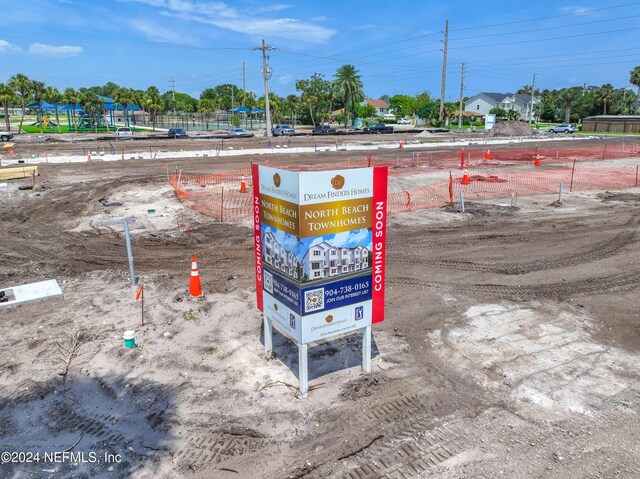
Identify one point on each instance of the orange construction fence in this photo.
(219, 195)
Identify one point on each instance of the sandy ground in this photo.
(510, 347)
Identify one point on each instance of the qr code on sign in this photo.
(313, 300)
(268, 282)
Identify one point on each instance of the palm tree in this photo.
(92, 106)
(7, 95)
(153, 102)
(207, 106)
(605, 95)
(22, 86)
(349, 86)
(72, 97)
(53, 95)
(634, 78)
(568, 97)
(38, 88)
(275, 106)
(250, 102)
(124, 97)
(511, 114)
(291, 104)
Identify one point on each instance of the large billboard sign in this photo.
(320, 249)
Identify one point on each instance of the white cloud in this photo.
(351, 239)
(577, 10)
(54, 51)
(276, 7)
(157, 33)
(5, 47)
(250, 22)
(288, 242)
(285, 79)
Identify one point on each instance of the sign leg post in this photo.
(268, 337)
(303, 370)
(366, 349)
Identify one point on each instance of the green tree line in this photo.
(317, 99)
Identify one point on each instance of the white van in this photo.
(124, 133)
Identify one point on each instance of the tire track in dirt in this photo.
(556, 291)
(207, 447)
(405, 435)
(598, 252)
(412, 452)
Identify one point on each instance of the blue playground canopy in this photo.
(68, 107)
(246, 109)
(44, 106)
(112, 105)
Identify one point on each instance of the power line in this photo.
(529, 20)
(538, 29)
(537, 40)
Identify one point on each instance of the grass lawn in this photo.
(65, 129)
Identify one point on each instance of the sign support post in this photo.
(303, 369)
(366, 349)
(268, 337)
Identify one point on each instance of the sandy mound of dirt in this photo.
(510, 128)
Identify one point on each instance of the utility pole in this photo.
(266, 72)
(533, 89)
(461, 93)
(444, 69)
(173, 94)
(244, 86)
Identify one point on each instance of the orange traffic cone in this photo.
(487, 155)
(88, 156)
(243, 185)
(401, 144)
(465, 177)
(537, 161)
(194, 285)
(462, 159)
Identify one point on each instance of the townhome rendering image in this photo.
(319, 260)
(279, 258)
(325, 261)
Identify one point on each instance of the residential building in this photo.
(381, 106)
(281, 259)
(325, 261)
(483, 103)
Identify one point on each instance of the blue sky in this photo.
(349, 239)
(396, 45)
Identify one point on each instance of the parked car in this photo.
(378, 128)
(323, 130)
(238, 132)
(282, 130)
(565, 128)
(6, 135)
(177, 133)
(404, 121)
(124, 133)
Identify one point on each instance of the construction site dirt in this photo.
(510, 346)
